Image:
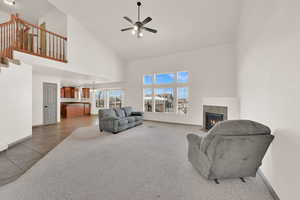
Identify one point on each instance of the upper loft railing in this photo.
(20, 35)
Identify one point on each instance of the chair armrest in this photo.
(194, 139)
(137, 114)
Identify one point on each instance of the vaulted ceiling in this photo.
(182, 25)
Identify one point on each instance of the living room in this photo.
(209, 62)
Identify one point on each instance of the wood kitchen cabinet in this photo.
(68, 92)
(86, 93)
(62, 93)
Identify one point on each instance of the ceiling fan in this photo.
(138, 27)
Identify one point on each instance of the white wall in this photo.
(212, 73)
(56, 21)
(37, 97)
(4, 17)
(269, 84)
(15, 104)
(86, 54)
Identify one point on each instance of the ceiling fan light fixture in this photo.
(139, 26)
(9, 2)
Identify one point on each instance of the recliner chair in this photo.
(231, 149)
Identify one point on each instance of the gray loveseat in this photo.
(231, 149)
(119, 119)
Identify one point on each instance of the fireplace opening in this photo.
(212, 119)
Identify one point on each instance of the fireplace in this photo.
(213, 114)
(212, 119)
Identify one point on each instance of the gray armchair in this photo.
(231, 149)
(119, 119)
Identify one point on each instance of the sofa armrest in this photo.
(137, 114)
(109, 119)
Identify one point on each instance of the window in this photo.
(148, 79)
(109, 98)
(182, 77)
(164, 78)
(148, 101)
(115, 98)
(100, 99)
(164, 100)
(182, 100)
(166, 92)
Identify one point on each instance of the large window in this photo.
(166, 92)
(115, 98)
(100, 99)
(165, 78)
(164, 100)
(182, 99)
(148, 101)
(109, 98)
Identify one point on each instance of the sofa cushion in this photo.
(127, 110)
(130, 119)
(107, 113)
(120, 112)
(122, 122)
(138, 118)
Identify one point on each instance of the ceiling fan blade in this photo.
(129, 20)
(147, 20)
(127, 29)
(150, 30)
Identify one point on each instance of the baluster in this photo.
(64, 56)
(60, 50)
(37, 40)
(48, 46)
(56, 47)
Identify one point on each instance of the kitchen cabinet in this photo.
(86, 93)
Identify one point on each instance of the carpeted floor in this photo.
(144, 163)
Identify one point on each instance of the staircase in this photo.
(20, 35)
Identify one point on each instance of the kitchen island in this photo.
(75, 109)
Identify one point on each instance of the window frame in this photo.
(107, 95)
(175, 85)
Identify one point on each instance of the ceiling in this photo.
(30, 10)
(182, 25)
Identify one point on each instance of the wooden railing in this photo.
(20, 35)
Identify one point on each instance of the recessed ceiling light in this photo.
(10, 2)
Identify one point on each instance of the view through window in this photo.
(109, 98)
(166, 92)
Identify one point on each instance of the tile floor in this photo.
(19, 158)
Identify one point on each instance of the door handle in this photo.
(45, 106)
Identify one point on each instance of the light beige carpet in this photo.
(143, 163)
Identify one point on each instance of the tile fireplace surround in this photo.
(214, 109)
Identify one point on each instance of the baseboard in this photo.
(176, 123)
(19, 141)
(269, 186)
(36, 126)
